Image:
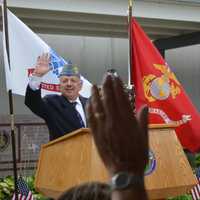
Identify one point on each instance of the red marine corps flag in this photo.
(157, 86)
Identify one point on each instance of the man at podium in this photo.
(62, 113)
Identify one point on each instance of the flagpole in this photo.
(10, 95)
(130, 5)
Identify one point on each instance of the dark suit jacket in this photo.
(56, 110)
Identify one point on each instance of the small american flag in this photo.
(23, 191)
(195, 192)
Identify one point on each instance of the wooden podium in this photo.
(73, 159)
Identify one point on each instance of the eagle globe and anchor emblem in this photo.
(162, 87)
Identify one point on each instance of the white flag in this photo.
(5, 55)
(25, 46)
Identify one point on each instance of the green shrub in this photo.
(182, 197)
(197, 160)
(7, 188)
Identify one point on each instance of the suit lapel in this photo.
(69, 112)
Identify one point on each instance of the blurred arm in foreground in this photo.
(121, 138)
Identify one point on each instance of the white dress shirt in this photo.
(34, 82)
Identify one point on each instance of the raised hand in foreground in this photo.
(121, 138)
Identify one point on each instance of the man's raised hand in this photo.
(42, 65)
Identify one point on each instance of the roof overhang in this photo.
(159, 18)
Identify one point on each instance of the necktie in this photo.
(78, 114)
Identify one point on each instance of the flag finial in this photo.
(130, 3)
